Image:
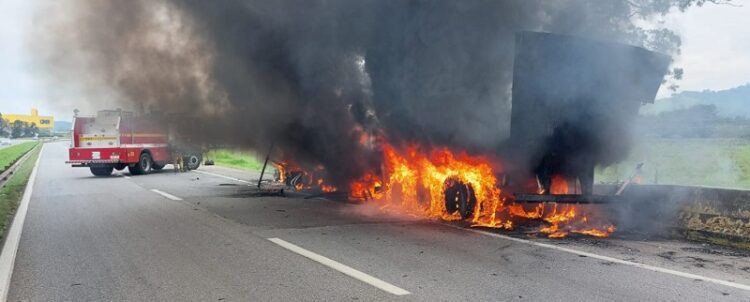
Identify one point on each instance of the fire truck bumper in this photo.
(88, 162)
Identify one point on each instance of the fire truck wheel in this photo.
(143, 166)
(192, 161)
(101, 171)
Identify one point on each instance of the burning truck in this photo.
(573, 101)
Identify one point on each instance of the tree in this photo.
(17, 129)
(23, 129)
(2, 125)
(32, 130)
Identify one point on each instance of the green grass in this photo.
(12, 192)
(702, 162)
(9, 155)
(237, 159)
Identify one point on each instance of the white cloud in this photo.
(716, 45)
(19, 90)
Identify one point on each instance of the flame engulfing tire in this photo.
(296, 179)
(459, 196)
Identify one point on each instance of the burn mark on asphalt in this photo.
(717, 251)
(667, 255)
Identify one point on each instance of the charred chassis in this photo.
(574, 100)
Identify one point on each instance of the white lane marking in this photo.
(8, 256)
(222, 176)
(385, 286)
(165, 194)
(610, 259)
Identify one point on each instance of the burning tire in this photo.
(101, 171)
(296, 180)
(459, 196)
(143, 166)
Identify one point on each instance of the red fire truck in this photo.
(116, 139)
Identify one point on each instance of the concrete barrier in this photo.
(715, 215)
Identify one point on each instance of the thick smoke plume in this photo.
(313, 75)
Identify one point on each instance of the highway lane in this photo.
(100, 239)
(114, 238)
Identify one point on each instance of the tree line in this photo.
(17, 129)
(697, 121)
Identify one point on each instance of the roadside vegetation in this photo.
(9, 155)
(716, 162)
(237, 159)
(12, 192)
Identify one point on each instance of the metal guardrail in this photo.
(5, 175)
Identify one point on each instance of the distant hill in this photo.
(63, 126)
(730, 103)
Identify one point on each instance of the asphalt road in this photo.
(201, 237)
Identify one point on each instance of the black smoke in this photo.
(312, 75)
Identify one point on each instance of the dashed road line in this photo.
(165, 194)
(380, 284)
(222, 176)
(610, 259)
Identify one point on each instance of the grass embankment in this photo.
(701, 162)
(12, 192)
(235, 159)
(9, 155)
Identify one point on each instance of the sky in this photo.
(715, 53)
(715, 45)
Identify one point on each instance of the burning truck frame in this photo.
(573, 101)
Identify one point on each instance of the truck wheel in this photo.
(120, 167)
(459, 196)
(143, 166)
(101, 171)
(192, 161)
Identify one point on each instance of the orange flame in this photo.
(559, 185)
(281, 167)
(417, 182)
(304, 179)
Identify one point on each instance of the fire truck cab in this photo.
(116, 139)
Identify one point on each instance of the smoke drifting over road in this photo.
(313, 75)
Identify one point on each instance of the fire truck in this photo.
(117, 139)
